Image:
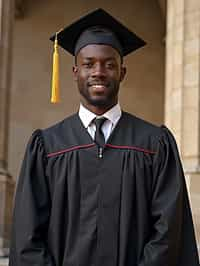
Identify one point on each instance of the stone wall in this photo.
(6, 181)
(182, 109)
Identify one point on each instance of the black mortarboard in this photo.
(68, 37)
(97, 27)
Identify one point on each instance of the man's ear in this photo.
(123, 73)
(75, 71)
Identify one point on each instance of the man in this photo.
(102, 187)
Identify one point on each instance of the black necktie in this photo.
(99, 136)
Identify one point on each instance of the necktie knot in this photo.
(99, 122)
(99, 136)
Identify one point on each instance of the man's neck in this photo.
(98, 110)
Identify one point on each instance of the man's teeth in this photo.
(98, 86)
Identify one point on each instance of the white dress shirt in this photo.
(113, 115)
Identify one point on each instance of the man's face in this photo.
(98, 73)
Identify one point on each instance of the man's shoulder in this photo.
(60, 135)
(60, 126)
(141, 126)
(135, 132)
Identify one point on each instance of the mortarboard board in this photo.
(86, 31)
(68, 37)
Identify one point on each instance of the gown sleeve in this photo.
(172, 242)
(32, 209)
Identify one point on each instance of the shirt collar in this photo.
(87, 116)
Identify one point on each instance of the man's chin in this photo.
(99, 102)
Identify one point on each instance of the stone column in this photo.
(182, 98)
(6, 182)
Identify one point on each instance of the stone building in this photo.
(162, 85)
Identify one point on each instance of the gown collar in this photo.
(113, 115)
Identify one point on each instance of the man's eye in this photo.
(87, 65)
(110, 65)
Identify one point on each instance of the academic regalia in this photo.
(128, 208)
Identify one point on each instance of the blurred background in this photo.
(162, 84)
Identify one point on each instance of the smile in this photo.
(99, 86)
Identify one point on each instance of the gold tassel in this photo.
(55, 91)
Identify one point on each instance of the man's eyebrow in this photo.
(111, 58)
(88, 58)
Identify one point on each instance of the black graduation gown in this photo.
(128, 208)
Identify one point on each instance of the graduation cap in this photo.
(97, 27)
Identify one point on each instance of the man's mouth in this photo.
(98, 86)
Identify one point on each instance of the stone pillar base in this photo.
(194, 191)
(7, 186)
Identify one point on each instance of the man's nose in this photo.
(99, 70)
